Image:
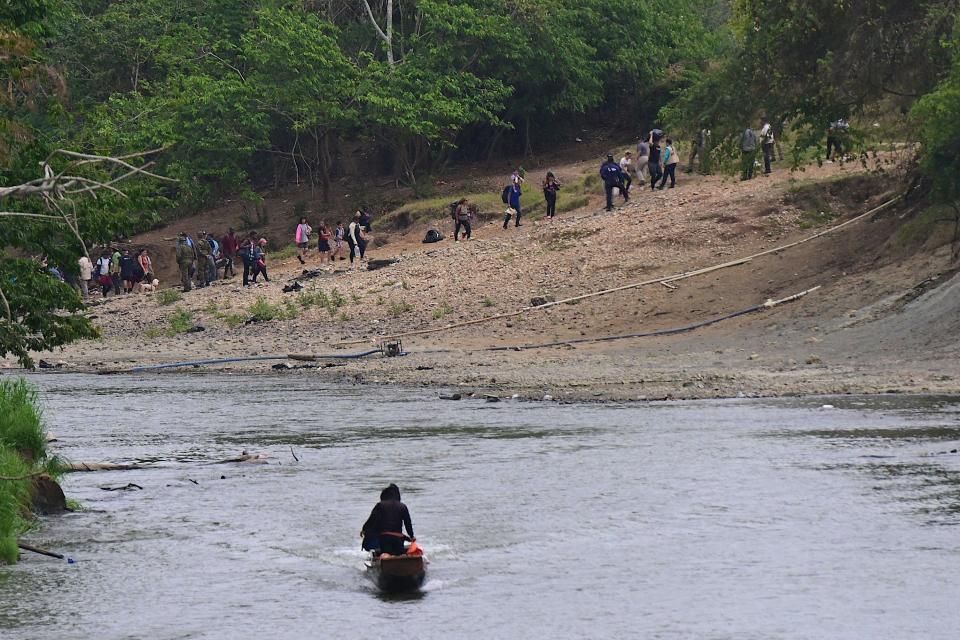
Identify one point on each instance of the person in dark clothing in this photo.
(612, 177)
(230, 244)
(550, 187)
(383, 530)
(127, 271)
(655, 164)
(247, 250)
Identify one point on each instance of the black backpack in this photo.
(453, 209)
(505, 195)
(611, 173)
(432, 236)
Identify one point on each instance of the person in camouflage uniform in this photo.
(203, 257)
(185, 258)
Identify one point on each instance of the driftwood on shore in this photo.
(100, 466)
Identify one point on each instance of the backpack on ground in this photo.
(505, 195)
(432, 236)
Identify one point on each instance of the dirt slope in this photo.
(857, 333)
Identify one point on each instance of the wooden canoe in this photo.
(398, 573)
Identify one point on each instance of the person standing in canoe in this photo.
(383, 530)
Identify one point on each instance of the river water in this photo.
(742, 519)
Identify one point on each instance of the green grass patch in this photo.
(263, 310)
(21, 423)
(330, 301)
(442, 310)
(286, 252)
(399, 308)
(233, 320)
(180, 321)
(166, 297)
(486, 302)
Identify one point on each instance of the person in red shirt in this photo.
(229, 246)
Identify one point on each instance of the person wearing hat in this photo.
(612, 177)
(185, 258)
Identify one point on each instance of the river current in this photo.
(740, 519)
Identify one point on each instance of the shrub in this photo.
(397, 309)
(263, 311)
(442, 310)
(180, 321)
(287, 252)
(167, 297)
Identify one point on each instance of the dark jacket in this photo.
(611, 173)
(388, 515)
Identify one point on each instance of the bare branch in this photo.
(6, 306)
(374, 21)
(18, 214)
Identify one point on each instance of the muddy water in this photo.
(738, 519)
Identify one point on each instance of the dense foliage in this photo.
(810, 63)
(260, 92)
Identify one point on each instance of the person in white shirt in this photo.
(86, 272)
(625, 165)
(767, 142)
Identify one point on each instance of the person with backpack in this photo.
(766, 143)
(339, 234)
(655, 165)
(748, 151)
(835, 132)
(670, 161)
(302, 239)
(247, 254)
(513, 194)
(185, 257)
(461, 218)
(259, 254)
(612, 178)
(550, 187)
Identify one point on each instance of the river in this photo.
(742, 519)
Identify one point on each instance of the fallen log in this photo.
(44, 552)
(100, 466)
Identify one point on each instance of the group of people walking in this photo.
(202, 258)
(656, 161)
(120, 271)
(332, 243)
